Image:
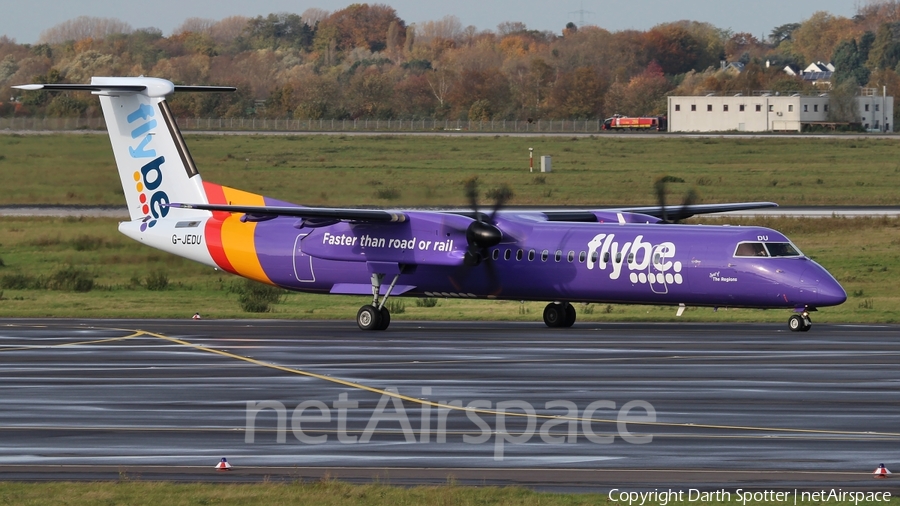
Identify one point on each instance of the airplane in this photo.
(629, 255)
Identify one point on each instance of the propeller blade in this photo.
(660, 187)
(504, 193)
(471, 187)
(689, 199)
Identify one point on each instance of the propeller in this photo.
(690, 198)
(483, 234)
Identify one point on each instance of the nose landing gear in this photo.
(800, 322)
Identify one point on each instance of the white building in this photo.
(769, 113)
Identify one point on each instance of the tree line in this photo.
(364, 61)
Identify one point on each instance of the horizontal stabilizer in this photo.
(81, 87)
(370, 215)
(125, 85)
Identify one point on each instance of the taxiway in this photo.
(711, 405)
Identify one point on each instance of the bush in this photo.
(503, 193)
(157, 281)
(388, 194)
(396, 306)
(426, 302)
(19, 282)
(256, 297)
(71, 279)
(87, 243)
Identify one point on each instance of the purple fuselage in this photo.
(643, 263)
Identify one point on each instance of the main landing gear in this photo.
(799, 322)
(375, 316)
(559, 314)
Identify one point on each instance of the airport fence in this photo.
(320, 125)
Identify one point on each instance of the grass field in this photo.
(337, 170)
(329, 492)
(42, 257)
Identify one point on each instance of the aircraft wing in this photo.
(672, 213)
(367, 215)
(684, 212)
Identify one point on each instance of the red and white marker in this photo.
(881, 472)
(196, 316)
(223, 466)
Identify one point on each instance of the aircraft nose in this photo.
(831, 293)
(828, 291)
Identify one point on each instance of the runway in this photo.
(632, 405)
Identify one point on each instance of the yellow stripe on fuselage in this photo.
(238, 238)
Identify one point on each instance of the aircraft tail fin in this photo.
(154, 163)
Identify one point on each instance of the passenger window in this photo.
(507, 254)
(582, 257)
(631, 258)
(545, 255)
(531, 255)
(594, 257)
(519, 255)
(750, 249)
(618, 258)
(571, 257)
(606, 257)
(558, 255)
(496, 254)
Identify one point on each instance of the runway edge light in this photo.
(881, 472)
(223, 465)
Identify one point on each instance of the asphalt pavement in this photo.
(594, 407)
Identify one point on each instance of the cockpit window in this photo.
(782, 249)
(768, 249)
(750, 249)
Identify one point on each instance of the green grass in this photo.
(338, 170)
(136, 493)
(860, 252)
(325, 492)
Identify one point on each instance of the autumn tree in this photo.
(673, 48)
(414, 98)
(818, 36)
(368, 95)
(644, 95)
(278, 30)
(578, 94)
(364, 25)
(194, 25)
(317, 97)
(83, 27)
(488, 85)
(742, 47)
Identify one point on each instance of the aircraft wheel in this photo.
(385, 319)
(796, 323)
(368, 318)
(554, 315)
(807, 324)
(570, 316)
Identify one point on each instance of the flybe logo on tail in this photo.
(149, 178)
